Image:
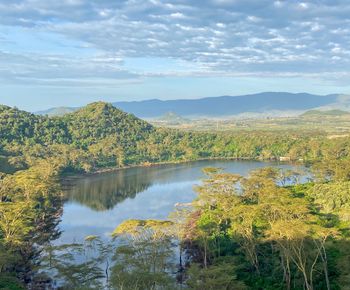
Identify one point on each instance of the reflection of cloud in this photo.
(156, 203)
(256, 37)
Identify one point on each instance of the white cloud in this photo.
(177, 15)
(221, 25)
(241, 36)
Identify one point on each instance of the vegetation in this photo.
(331, 123)
(100, 135)
(275, 237)
(264, 231)
(254, 232)
(317, 113)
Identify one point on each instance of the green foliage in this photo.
(279, 235)
(73, 266)
(10, 283)
(333, 198)
(144, 260)
(316, 113)
(220, 275)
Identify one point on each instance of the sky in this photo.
(72, 52)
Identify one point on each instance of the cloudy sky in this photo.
(71, 52)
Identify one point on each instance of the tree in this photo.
(143, 261)
(15, 222)
(220, 275)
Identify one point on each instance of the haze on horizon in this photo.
(72, 52)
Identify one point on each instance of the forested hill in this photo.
(83, 127)
(98, 135)
(100, 120)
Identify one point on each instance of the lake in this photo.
(97, 204)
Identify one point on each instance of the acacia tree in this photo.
(266, 220)
(15, 222)
(304, 245)
(144, 259)
(220, 275)
(72, 267)
(217, 194)
(179, 218)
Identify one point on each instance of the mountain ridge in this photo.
(222, 105)
(227, 105)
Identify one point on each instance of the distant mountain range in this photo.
(224, 106)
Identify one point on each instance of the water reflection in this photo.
(97, 204)
(103, 192)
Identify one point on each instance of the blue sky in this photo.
(72, 52)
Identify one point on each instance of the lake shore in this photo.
(67, 178)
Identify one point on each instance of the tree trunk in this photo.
(325, 266)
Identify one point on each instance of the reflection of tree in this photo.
(105, 191)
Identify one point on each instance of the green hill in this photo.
(101, 120)
(59, 111)
(95, 136)
(328, 113)
(82, 128)
(172, 118)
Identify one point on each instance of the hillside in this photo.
(59, 111)
(83, 127)
(172, 118)
(227, 105)
(101, 120)
(96, 135)
(328, 113)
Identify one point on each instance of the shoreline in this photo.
(71, 177)
(74, 176)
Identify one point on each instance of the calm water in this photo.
(97, 204)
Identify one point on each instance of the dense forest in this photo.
(255, 232)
